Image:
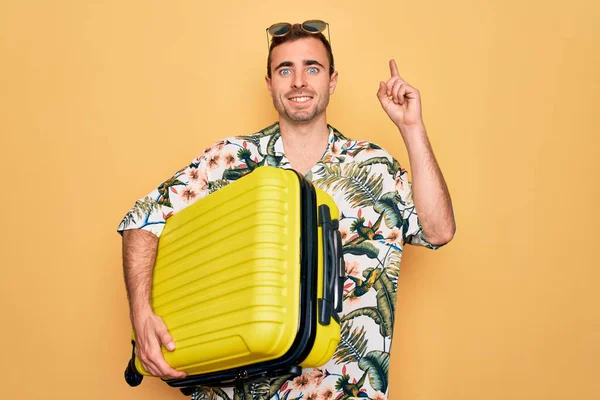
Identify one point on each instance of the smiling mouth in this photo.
(300, 99)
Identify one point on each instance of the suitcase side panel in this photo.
(328, 336)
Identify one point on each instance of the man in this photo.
(380, 212)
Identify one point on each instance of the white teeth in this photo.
(300, 99)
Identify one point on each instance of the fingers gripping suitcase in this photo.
(249, 282)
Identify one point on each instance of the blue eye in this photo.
(313, 70)
(285, 72)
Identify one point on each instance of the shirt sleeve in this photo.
(185, 187)
(412, 232)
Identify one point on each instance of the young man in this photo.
(380, 212)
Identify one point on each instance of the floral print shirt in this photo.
(377, 218)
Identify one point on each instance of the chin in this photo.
(301, 116)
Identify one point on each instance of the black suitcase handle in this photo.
(341, 269)
(334, 271)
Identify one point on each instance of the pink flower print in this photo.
(204, 183)
(189, 194)
(344, 233)
(336, 148)
(352, 301)
(219, 145)
(229, 160)
(352, 268)
(311, 396)
(213, 161)
(379, 396)
(369, 149)
(199, 177)
(395, 236)
(301, 382)
(326, 394)
(194, 175)
(317, 377)
(399, 185)
(198, 159)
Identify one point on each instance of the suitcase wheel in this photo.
(132, 376)
(187, 391)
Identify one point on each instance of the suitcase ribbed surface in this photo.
(226, 279)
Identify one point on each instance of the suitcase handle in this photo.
(341, 269)
(333, 268)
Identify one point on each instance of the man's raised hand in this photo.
(400, 101)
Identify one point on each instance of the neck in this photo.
(304, 135)
(304, 142)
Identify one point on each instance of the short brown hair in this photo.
(295, 33)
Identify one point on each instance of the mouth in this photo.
(300, 99)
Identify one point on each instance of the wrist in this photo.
(140, 313)
(413, 133)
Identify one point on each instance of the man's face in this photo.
(300, 84)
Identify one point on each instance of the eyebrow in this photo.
(313, 62)
(305, 62)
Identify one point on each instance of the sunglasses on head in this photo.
(313, 26)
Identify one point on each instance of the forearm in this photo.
(139, 255)
(429, 190)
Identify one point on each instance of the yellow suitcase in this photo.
(249, 281)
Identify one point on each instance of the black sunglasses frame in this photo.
(304, 25)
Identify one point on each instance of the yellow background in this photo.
(102, 100)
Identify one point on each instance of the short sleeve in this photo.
(185, 187)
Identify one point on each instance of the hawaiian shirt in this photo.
(377, 217)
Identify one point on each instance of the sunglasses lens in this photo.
(279, 29)
(314, 26)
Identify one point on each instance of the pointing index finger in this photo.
(394, 68)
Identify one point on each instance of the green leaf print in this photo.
(165, 188)
(221, 393)
(209, 393)
(360, 188)
(140, 210)
(260, 390)
(353, 345)
(233, 174)
(392, 269)
(364, 248)
(383, 315)
(372, 313)
(271, 144)
(277, 383)
(386, 302)
(392, 166)
(237, 395)
(377, 365)
(268, 131)
(272, 161)
(215, 185)
(387, 205)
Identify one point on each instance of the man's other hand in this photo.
(150, 335)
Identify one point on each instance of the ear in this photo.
(268, 82)
(333, 82)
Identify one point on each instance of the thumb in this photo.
(382, 92)
(166, 339)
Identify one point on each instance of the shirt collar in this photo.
(279, 150)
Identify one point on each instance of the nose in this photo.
(299, 81)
